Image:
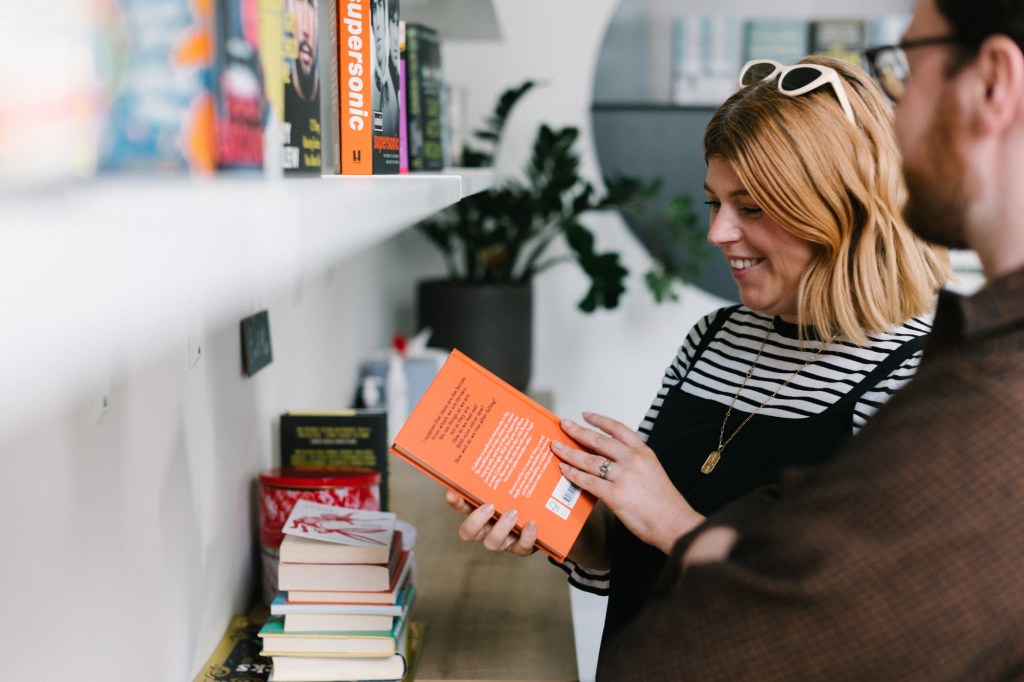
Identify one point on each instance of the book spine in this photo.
(331, 126)
(414, 99)
(403, 99)
(385, 88)
(301, 148)
(355, 94)
(272, 63)
(237, 87)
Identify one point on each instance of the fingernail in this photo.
(568, 424)
(557, 444)
(563, 467)
(488, 508)
(512, 514)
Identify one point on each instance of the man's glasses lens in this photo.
(890, 67)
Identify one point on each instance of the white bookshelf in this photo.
(82, 264)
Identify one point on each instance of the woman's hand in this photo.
(626, 475)
(497, 535)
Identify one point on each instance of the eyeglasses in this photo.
(889, 63)
(796, 80)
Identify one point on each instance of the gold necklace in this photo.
(712, 460)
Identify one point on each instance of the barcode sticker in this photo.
(566, 492)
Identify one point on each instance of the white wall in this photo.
(129, 543)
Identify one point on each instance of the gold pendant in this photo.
(710, 462)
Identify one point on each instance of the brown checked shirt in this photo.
(902, 558)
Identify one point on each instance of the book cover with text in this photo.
(300, 131)
(368, 74)
(338, 440)
(489, 442)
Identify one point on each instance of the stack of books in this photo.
(346, 588)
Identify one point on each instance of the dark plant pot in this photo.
(491, 323)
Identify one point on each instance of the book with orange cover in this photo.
(355, 87)
(367, 87)
(489, 442)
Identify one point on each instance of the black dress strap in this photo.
(716, 323)
(881, 370)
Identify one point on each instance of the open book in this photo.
(489, 442)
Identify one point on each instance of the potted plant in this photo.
(494, 243)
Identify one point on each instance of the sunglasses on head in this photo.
(796, 80)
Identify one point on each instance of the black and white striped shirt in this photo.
(719, 372)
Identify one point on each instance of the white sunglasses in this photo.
(796, 80)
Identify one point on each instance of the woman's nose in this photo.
(723, 229)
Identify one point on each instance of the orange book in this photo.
(489, 442)
(355, 87)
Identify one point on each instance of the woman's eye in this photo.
(752, 211)
(713, 204)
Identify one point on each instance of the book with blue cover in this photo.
(160, 111)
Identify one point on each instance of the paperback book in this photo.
(342, 577)
(333, 668)
(325, 534)
(283, 605)
(423, 97)
(388, 596)
(278, 641)
(237, 657)
(489, 442)
(160, 112)
(338, 439)
(300, 130)
(368, 102)
(840, 38)
(238, 86)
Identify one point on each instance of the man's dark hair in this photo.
(973, 21)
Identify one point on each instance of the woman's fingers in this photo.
(455, 501)
(616, 429)
(477, 524)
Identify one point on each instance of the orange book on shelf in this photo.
(355, 87)
(489, 442)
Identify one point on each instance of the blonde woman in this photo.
(805, 196)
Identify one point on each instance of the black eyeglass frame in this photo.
(871, 54)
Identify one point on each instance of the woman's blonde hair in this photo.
(837, 185)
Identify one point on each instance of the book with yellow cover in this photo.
(489, 442)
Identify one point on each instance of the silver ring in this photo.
(605, 465)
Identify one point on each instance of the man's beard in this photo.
(937, 186)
